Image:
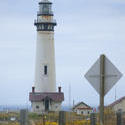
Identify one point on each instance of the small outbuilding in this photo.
(82, 108)
(118, 105)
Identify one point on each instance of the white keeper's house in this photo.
(82, 108)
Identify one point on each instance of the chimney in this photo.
(59, 89)
(33, 89)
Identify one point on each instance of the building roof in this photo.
(117, 101)
(45, 1)
(55, 96)
(87, 106)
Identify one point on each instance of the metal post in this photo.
(102, 82)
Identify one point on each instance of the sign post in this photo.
(102, 84)
(103, 75)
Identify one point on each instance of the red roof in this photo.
(55, 96)
(85, 108)
(117, 101)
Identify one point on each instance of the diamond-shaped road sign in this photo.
(112, 75)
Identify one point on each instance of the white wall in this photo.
(85, 112)
(119, 106)
(54, 106)
(45, 55)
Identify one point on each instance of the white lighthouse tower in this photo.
(44, 96)
(45, 57)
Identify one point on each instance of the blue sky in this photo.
(86, 29)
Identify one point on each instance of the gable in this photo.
(117, 102)
(82, 106)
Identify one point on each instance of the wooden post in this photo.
(93, 119)
(119, 118)
(102, 83)
(62, 118)
(23, 117)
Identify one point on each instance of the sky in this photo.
(86, 29)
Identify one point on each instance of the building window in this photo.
(82, 112)
(37, 107)
(45, 70)
(88, 112)
(46, 27)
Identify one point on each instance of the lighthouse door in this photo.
(46, 104)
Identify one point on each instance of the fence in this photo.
(70, 118)
(9, 118)
(123, 118)
(60, 118)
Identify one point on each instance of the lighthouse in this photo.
(44, 96)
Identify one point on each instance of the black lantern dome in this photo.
(45, 8)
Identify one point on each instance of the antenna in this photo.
(73, 102)
(69, 95)
(115, 93)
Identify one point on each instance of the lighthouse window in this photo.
(39, 27)
(45, 70)
(49, 27)
(46, 8)
(52, 27)
(46, 26)
(42, 26)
